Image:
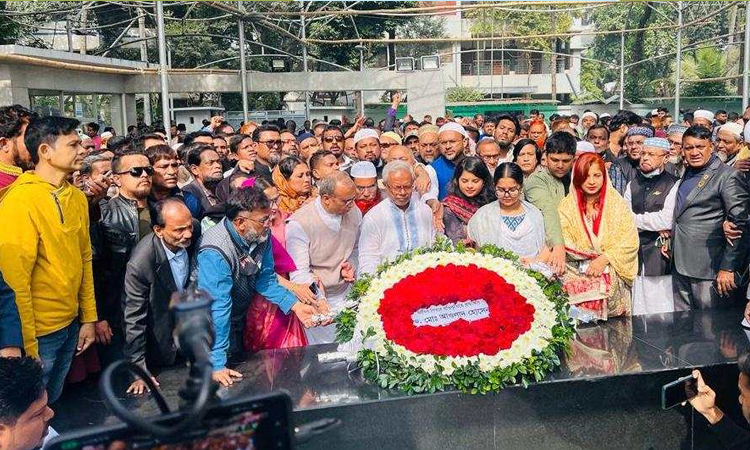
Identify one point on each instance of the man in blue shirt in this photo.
(11, 340)
(453, 143)
(234, 262)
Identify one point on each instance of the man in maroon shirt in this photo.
(14, 157)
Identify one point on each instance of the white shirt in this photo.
(388, 231)
(178, 265)
(432, 192)
(657, 220)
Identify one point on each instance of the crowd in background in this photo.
(635, 215)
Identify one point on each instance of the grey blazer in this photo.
(700, 249)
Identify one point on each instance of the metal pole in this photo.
(70, 35)
(243, 67)
(746, 60)
(163, 67)
(171, 95)
(361, 74)
(304, 63)
(492, 61)
(678, 69)
(622, 69)
(502, 64)
(144, 58)
(124, 112)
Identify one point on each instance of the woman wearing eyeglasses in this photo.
(601, 242)
(292, 177)
(470, 189)
(510, 223)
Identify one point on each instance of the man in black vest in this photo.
(652, 195)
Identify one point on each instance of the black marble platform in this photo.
(605, 396)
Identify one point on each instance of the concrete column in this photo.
(425, 94)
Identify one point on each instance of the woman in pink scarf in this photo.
(267, 326)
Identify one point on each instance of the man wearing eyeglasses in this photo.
(268, 146)
(321, 238)
(125, 219)
(234, 262)
(333, 141)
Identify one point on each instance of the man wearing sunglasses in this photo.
(333, 141)
(124, 221)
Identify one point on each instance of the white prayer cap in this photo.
(107, 135)
(365, 133)
(704, 114)
(654, 112)
(589, 114)
(364, 169)
(584, 147)
(734, 128)
(605, 115)
(453, 126)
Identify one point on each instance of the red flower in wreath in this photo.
(510, 315)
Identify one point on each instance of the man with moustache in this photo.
(674, 137)
(629, 161)
(367, 144)
(491, 155)
(125, 219)
(205, 165)
(24, 410)
(166, 166)
(728, 143)
(289, 145)
(651, 196)
(14, 157)
(506, 130)
(333, 141)
(234, 262)
(398, 224)
(158, 267)
(429, 144)
(707, 267)
(268, 147)
(453, 143)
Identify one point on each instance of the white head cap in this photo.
(654, 112)
(584, 147)
(589, 114)
(734, 128)
(704, 114)
(453, 126)
(364, 169)
(365, 133)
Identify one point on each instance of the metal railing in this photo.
(513, 66)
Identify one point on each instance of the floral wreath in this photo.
(442, 316)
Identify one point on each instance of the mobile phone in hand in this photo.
(678, 391)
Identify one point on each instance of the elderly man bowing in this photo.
(321, 238)
(398, 224)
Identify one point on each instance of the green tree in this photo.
(421, 27)
(9, 29)
(463, 94)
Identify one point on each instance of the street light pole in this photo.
(163, 67)
(243, 67)
(304, 62)
(622, 68)
(678, 69)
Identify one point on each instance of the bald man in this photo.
(158, 267)
(321, 238)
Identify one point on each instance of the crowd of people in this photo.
(636, 215)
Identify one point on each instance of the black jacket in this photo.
(118, 234)
(731, 435)
(149, 285)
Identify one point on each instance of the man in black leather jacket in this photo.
(125, 219)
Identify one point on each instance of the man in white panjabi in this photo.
(398, 224)
(651, 196)
(321, 238)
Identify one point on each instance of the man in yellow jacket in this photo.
(45, 250)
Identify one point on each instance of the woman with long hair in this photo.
(601, 242)
(510, 222)
(267, 326)
(470, 189)
(528, 156)
(292, 178)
